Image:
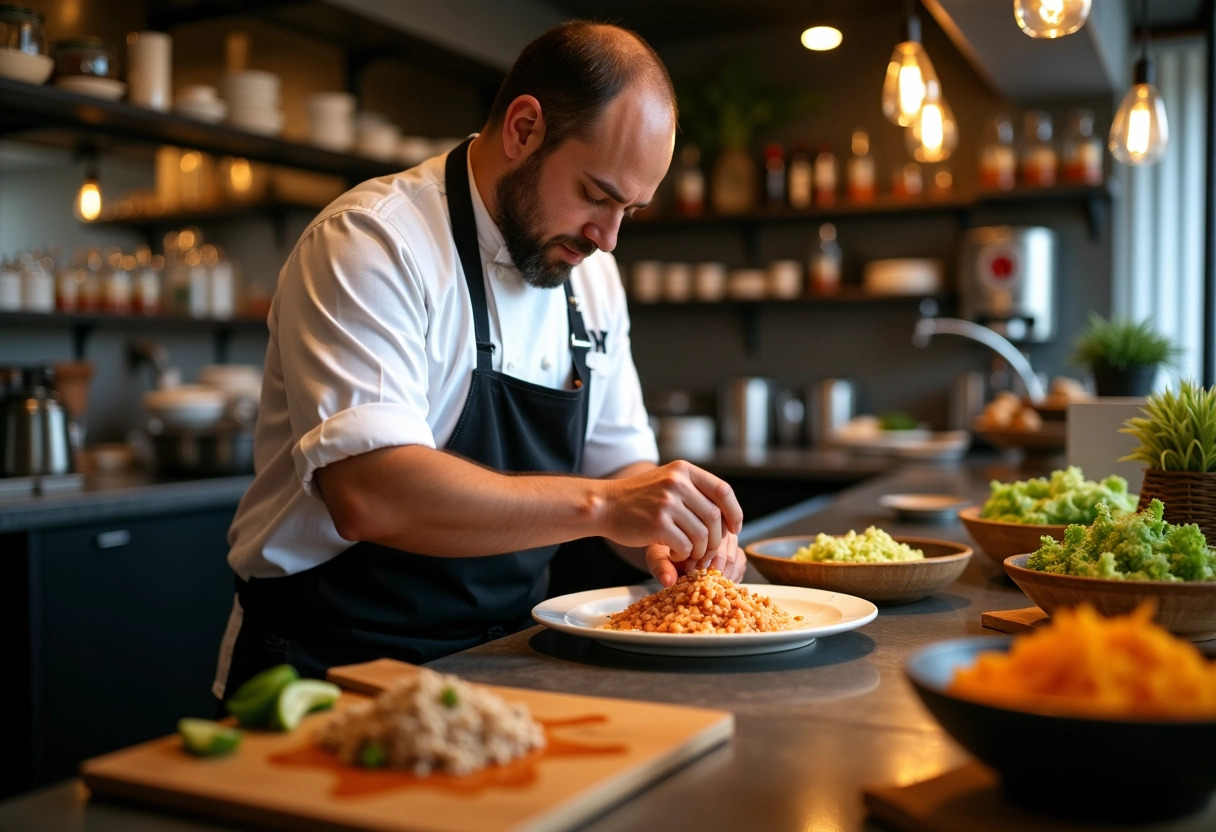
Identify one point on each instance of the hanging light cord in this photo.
(1144, 29)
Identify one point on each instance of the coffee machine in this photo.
(1007, 281)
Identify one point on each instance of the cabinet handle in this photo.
(114, 539)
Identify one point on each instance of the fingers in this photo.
(659, 561)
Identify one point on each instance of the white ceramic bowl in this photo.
(264, 123)
(236, 379)
(211, 112)
(188, 406)
(21, 66)
(105, 88)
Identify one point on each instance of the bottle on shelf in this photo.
(774, 175)
(1039, 160)
(690, 183)
(146, 287)
(859, 172)
(943, 182)
(88, 294)
(907, 182)
(10, 287)
(800, 176)
(824, 266)
(37, 284)
(221, 283)
(826, 177)
(998, 161)
(116, 283)
(1081, 154)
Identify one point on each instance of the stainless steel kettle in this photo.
(36, 434)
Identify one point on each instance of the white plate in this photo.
(930, 507)
(107, 88)
(824, 614)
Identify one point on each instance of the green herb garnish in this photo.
(371, 755)
(449, 697)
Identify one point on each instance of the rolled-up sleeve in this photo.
(351, 332)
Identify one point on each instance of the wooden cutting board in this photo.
(1024, 620)
(600, 752)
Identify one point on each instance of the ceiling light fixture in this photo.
(1050, 18)
(88, 198)
(909, 74)
(933, 134)
(1140, 132)
(822, 38)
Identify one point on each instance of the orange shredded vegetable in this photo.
(1082, 664)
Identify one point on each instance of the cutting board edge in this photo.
(632, 782)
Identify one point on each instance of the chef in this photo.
(449, 392)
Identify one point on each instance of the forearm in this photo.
(432, 502)
(633, 555)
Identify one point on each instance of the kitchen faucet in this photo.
(928, 326)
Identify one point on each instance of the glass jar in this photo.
(1039, 159)
(82, 56)
(998, 162)
(860, 169)
(22, 30)
(1081, 157)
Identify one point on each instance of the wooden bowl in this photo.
(891, 583)
(1185, 608)
(1002, 540)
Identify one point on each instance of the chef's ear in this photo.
(523, 128)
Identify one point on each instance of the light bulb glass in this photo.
(910, 73)
(88, 201)
(1050, 18)
(822, 38)
(1140, 132)
(933, 134)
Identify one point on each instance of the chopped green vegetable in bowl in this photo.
(1064, 497)
(1132, 547)
(872, 546)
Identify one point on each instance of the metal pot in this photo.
(214, 452)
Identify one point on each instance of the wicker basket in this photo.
(1188, 497)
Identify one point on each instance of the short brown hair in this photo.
(574, 70)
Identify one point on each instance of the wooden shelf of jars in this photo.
(82, 324)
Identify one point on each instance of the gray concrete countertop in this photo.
(119, 496)
(814, 726)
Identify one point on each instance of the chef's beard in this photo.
(520, 218)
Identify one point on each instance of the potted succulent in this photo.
(1123, 355)
(1177, 436)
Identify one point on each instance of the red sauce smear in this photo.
(355, 781)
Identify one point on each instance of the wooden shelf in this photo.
(82, 325)
(846, 296)
(54, 116)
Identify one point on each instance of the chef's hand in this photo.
(728, 558)
(683, 507)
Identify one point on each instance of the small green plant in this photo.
(1177, 431)
(1120, 343)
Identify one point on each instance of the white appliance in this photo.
(1007, 280)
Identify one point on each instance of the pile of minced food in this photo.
(1064, 497)
(1132, 547)
(871, 546)
(432, 722)
(703, 601)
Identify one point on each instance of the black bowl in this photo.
(1075, 767)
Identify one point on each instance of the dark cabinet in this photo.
(112, 634)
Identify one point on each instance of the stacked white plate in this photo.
(108, 88)
(378, 138)
(200, 102)
(331, 120)
(253, 101)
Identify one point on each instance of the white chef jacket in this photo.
(372, 345)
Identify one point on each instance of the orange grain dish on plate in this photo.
(1081, 664)
(703, 601)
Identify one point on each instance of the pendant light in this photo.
(1050, 18)
(821, 38)
(933, 134)
(88, 198)
(909, 74)
(1140, 132)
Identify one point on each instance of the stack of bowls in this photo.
(253, 100)
(200, 101)
(378, 138)
(331, 120)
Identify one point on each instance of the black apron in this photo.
(373, 601)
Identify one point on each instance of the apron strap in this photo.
(580, 344)
(464, 232)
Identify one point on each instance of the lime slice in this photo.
(253, 701)
(206, 738)
(300, 697)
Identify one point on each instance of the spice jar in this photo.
(1081, 159)
(83, 56)
(22, 30)
(800, 178)
(1039, 159)
(860, 168)
(998, 162)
